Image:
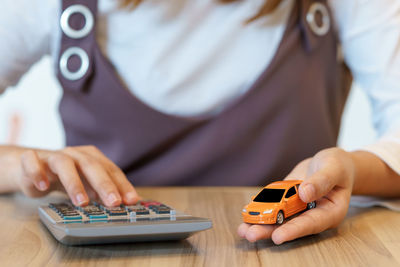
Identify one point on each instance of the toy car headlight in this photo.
(267, 211)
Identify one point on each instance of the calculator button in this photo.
(97, 216)
(150, 203)
(161, 210)
(95, 212)
(116, 211)
(78, 217)
(69, 214)
(91, 208)
(139, 211)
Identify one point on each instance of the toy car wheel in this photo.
(311, 205)
(280, 218)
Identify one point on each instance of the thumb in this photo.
(317, 185)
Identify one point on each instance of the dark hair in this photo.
(268, 7)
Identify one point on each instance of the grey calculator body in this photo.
(80, 228)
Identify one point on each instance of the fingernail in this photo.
(278, 236)
(80, 198)
(42, 185)
(251, 237)
(308, 192)
(277, 239)
(130, 196)
(112, 199)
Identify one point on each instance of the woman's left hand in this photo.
(328, 179)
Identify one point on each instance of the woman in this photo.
(208, 93)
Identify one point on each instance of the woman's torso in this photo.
(290, 112)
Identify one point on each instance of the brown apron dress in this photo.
(291, 112)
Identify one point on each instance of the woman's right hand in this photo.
(81, 172)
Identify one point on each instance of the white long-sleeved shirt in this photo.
(171, 52)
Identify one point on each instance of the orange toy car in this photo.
(277, 201)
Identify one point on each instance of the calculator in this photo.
(95, 223)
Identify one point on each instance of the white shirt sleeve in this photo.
(25, 30)
(370, 35)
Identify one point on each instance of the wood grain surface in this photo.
(367, 237)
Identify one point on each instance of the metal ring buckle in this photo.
(311, 19)
(89, 21)
(73, 76)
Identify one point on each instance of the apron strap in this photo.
(315, 23)
(77, 23)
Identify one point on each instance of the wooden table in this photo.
(368, 237)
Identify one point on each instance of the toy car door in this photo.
(291, 201)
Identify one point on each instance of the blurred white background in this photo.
(31, 109)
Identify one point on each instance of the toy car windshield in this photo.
(270, 195)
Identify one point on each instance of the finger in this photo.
(97, 177)
(325, 216)
(300, 171)
(126, 189)
(258, 232)
(33, 170)
(128, 192)
(318, 185)
(67, 173)
(242, 229)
